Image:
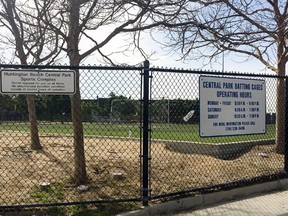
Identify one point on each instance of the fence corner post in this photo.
(145, 136)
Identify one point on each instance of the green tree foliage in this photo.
(89, 108)
(53, 107)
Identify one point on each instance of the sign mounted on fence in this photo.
(38, 82)
(231, 106)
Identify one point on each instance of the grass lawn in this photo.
(179, 132)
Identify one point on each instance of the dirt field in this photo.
(113, 169)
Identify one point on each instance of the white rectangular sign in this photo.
(231, 106)
(38, 82)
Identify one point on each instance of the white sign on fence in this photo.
(38, 82)
(231, 106)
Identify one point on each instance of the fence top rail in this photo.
(205, 72)
(69, 67)
(139, 68)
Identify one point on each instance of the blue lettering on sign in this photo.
(254, 109)
(257, 87)
(239, 103)
(214, 109)
(242, 109)
(245, 123)
(254, 103)
(232, 123)
(239, 116)
(228, 85)
(245, 95)
(226, 103)
(229, 94)
(212, 116)
(254, 115)
(212, 102)
(211, 85)
(242, 86)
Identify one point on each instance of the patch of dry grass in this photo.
(113, 167)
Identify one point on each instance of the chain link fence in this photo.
(141, 141)
(183, 162)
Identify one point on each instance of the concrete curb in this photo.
(218, 150)
(203, 200)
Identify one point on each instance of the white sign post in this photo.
(231, 106)
(38, 82)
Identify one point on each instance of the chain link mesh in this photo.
(111, 113)
(111, 143)
(183, 161)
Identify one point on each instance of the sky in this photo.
(162, 58)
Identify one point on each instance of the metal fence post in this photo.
(286, 127)
(145, 136)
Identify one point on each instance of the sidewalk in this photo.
(266, 199)
(271, 204)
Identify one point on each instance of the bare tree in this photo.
(256, 29)
(30, 39)
(98, 22)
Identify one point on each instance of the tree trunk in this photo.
(281, 90)
(80, 175)
(280, 116)
(35, 142)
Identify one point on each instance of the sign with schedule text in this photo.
(231, 106)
